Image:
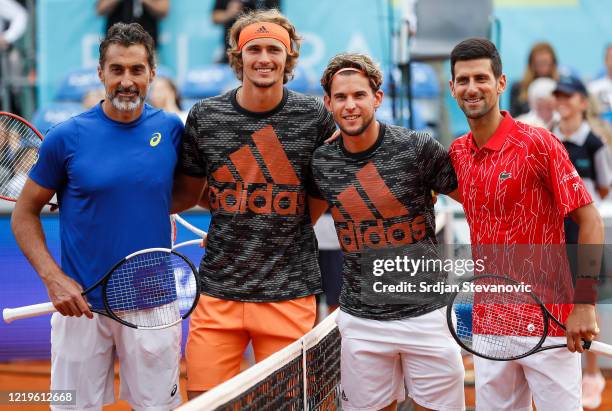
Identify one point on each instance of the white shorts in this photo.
(380, 357)
(552, 378)
(82, 359)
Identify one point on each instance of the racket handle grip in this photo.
(601, 348)
(11, 314)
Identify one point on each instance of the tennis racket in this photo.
(498, 319)
(19, 146)
(149, 289)
(174, 219)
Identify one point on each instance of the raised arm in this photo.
(222, 16)
(104, 7)
(158, 8)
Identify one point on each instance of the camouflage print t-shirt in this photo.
(381, 198)
(261, 245)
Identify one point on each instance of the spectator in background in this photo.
(226, 12)
(408, 8)
(587, 151)
(541, 104)
(13, 22)
(590, 156)
(542, 62)
(601, 88)
(165, 95)
(26, 156)
(147, 13)
(599, 124)
(9, 145)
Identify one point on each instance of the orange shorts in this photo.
(220, 330)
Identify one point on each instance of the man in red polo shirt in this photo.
(517, 185)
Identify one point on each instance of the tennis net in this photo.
(302, 376)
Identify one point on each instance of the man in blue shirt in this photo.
(112, 169)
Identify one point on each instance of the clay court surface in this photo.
(34, 376)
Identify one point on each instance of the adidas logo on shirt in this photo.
(358, 231)
(269, 187)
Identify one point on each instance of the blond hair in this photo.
(257, 16)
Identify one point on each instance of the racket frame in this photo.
(104, 283)
(36, 132)
(546, 316)
(189, 226)
(44, 308)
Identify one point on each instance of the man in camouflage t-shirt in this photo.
(378, 180)
(253, 147)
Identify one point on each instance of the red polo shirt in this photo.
(517, 189)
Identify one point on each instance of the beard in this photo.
(125, 105)
(267, 84)
(360, 130)
(474, 114)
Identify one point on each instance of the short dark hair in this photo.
(360, 62)
(476, 48)
(126, 35)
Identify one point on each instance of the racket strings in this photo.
(153, 289)
(19, 146)
(499, 325)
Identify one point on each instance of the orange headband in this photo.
(264, 30)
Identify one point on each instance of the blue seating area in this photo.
(208, 81)
(56, 112)
(77, 83)
(214, 79)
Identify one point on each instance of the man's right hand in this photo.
(66, 296)
(234, 8)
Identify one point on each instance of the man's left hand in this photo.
(333, 137)
(581, 326)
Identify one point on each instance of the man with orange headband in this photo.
(253, 147)
(378, 180)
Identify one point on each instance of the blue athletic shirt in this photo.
(114, 186)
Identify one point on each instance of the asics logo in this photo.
(266, 186)
(155, 139)
(380, 220)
